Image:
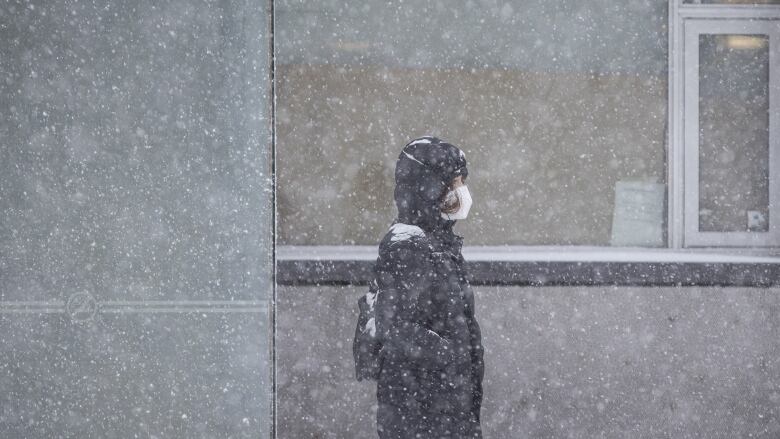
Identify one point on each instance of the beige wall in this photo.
(544, 150)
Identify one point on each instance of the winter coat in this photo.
(431, 361)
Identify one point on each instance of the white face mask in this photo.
(465, 203)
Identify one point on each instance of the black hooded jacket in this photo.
(431, 366)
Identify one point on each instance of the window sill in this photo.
(550, 265)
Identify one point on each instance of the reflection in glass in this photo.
(733, 133)
(554, 104)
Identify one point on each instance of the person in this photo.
(431, 367)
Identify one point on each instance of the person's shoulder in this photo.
(402, 239)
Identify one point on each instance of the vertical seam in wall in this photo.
(671, 234)
(272, 97)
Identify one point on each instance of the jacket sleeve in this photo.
(477, 363)
(475, 336)
(405, 273)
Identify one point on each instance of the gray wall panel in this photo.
(583, 362)
(135, 219)
(162, 375)
(135, 150)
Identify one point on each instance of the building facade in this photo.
(192, 193)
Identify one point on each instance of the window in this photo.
(725, 143)
(559, 106)
(586, 124)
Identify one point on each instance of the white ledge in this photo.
(544, 254)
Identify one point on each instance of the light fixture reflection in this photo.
(746, 42)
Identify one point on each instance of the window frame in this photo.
(681, 232)
(543, 266)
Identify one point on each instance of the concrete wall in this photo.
(135, 219)
(596, 362)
